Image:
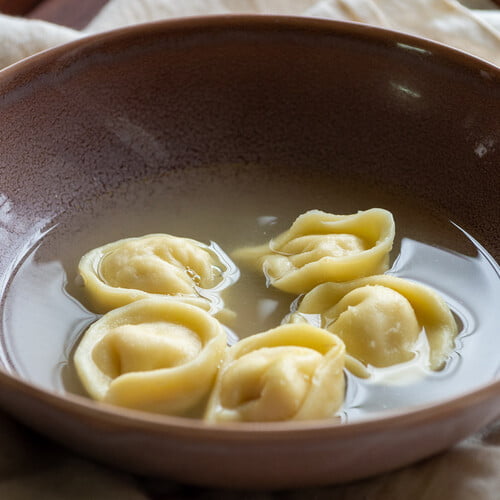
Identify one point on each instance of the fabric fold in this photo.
(445, 21)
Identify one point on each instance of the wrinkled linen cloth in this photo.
(447, 21)
(33, 467)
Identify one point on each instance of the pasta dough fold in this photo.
(293, 372)
(380, 319)
(159, 355)
(321, 247)
(158, 264)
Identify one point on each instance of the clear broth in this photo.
(43, 314)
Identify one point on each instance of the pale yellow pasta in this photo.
(293, 372)
(380, 318)
(321, 247)
(158, 264)
(351, 363)
(158, 354)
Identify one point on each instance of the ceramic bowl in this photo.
(85, 126)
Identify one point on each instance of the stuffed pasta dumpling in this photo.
(293, 372)
(158, 354)
(157, 264)
(380, 318)
(321, 247)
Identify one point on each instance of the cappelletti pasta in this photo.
(293, 372)
(159, 346)
(158, 264)
(157, 354)
(321, 247)
(379, 318)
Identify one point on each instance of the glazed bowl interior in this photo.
(210, 128)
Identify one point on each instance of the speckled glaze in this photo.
(381, 107)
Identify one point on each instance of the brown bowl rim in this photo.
(266, 22)
(19, 73)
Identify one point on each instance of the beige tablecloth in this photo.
(32, 467)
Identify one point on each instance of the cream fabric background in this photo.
(32, 467)
(447, 21)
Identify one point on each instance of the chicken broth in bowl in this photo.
(230, 207)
